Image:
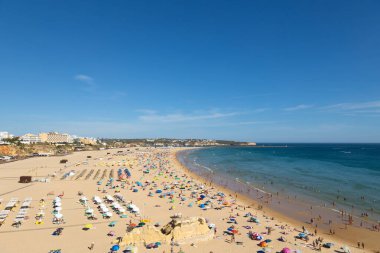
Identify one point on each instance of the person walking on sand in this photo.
(91, 246)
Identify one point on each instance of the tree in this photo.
(13, 140)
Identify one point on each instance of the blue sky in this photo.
(265, 71)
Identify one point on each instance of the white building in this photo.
(54, 137)
(4, 135)
(30, 138)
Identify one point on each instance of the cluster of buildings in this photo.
(5, 135)
(50, 137)
(164, 142)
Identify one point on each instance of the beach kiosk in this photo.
(25, 179)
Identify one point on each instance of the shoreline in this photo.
(346, 235)
(166, 174)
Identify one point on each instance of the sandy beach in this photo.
(159, 187)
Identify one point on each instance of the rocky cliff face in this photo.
(8, 150)
(183, 231)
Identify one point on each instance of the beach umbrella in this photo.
(89, 210)
(263, 244)
(115, 247)
(286, 250)
(301, 235)
(58, 204)
(58, 215)
(58, 208)
(88, 226)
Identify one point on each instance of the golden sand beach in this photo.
(96, 213)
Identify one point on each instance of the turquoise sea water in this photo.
(321, 173)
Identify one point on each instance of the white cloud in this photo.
(153, 116)
(298, 107)
(146, 111)
(364, 107)
(84, 78)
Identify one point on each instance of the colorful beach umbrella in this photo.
(115, 247)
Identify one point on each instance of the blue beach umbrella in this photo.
(115, 247)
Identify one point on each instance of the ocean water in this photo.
(319, 173)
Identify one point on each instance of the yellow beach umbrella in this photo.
(88, 226)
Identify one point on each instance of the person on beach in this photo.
(233, 238)
(91, 246)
